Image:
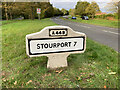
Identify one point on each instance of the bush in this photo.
(77, 15)
(116, 15)
(106, 16)
(97, 16)
(110, 15)
(91, 16)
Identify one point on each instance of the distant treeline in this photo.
(84, 8)
(28, 10)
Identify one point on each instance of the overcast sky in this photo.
(70, 4)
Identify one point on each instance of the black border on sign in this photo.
(59, 29)
(56, 51)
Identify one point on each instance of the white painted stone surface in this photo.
(57, 57)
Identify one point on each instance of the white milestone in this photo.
(57, 43)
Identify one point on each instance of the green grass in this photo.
(88, 70)
(102, 22)
(9, 21)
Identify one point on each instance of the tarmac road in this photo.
(104, 35)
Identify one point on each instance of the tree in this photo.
(95, 6)
(64, 11)
(81, 7)
(90, 10)
(57, 12)
(26, 9)
(5, 6)
(47, 9)
(72, 12)
(85, 8)
(112, 6)
(22, 9)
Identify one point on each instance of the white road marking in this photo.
(105, 31)
(110, 32)
(107, 27)
(82, 26)
(111, 28)
(85, 26)
(113, 32)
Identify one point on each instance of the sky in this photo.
(70, 4)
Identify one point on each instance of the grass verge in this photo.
(9, 21)
(102, 22)
(96, 68)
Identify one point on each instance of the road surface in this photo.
(104, 35)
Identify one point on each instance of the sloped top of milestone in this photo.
(44, 33)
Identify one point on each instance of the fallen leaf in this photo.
(4, 79)
(22, 84)
(90, 81)
(82, 73)
(17, 72)
(66, 79)
(44, 75)
(12, 77)
(104, 86)
(78, 78)
(105, 79)
(107, 67)
(59, 71)
(15, 82)
(29, 81)
(92, 74)
(3, 74)
(112, 73)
